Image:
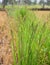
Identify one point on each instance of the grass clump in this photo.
(33, 39)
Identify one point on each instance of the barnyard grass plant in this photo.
(33, 39)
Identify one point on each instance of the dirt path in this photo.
(5, 38)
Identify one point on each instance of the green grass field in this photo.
(30, 37)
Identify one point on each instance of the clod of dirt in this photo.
(1, 60)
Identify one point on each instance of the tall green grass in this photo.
(33, 46)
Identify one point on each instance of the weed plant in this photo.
(33, 46)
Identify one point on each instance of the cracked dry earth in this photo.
(5, 39)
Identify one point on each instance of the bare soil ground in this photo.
(42, 14)
(5, 38)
